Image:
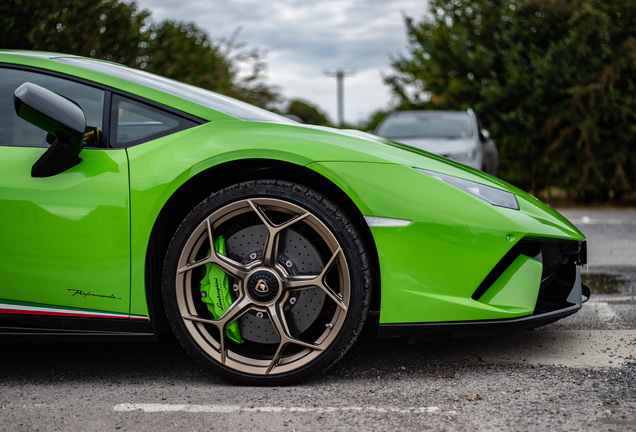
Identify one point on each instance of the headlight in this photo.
(491, 195)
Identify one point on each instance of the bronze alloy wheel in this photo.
(292, 273)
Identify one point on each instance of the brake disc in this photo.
(299, 257)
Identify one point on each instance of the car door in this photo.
(64, 239)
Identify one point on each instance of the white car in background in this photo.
(457, 135)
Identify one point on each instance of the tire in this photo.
(297, 273)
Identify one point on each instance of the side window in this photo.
(135, 123)
(14, 131)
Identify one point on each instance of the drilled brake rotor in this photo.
(299, 257)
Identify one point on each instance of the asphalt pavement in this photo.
(576, 374)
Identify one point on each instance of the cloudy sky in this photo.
(304, 38)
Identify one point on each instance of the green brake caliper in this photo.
(215, 292)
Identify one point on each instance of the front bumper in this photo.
(561, 293)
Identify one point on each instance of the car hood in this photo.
(441, 146)
(382, 150)
(324, 144)
(405, 154)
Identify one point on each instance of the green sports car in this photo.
(131, 204)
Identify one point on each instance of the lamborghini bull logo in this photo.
(261, 286)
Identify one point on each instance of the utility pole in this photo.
(340, 75)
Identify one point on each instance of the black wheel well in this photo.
(195, 190)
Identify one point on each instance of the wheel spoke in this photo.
(272, 226)
(234, 312)
(270, 251)
(334, 296)
(276, 357)
(303, 282)
(280, 325)
(193, 265)
(228, 265)
(199, 319)
(323, 281)
(210, 232)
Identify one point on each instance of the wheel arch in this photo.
(199, 187)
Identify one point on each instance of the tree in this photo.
(552, 79)
(184, 52)
(308, 113)
(594, 128)
(107, 29)
(117, 31)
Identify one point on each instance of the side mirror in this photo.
(62, 118)
(484, 134)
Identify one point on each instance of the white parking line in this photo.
(589, 221)
(271, 409)
(623, 299)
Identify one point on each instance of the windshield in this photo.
(427, 125)
(210, 99)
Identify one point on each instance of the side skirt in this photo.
(21, 328)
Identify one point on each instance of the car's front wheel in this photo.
(267, 282)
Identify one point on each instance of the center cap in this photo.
(262, 286)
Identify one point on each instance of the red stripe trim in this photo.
(83, 315)
(62, 312)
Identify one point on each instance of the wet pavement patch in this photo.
(605, 283)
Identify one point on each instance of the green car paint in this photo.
(111, 201)
(430, 268)
(518, 287)
(65, 239)
(470, 243)
(215, 292)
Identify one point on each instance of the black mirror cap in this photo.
(51, 112)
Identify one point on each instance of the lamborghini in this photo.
(132, 205)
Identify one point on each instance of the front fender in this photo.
(430, 268)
